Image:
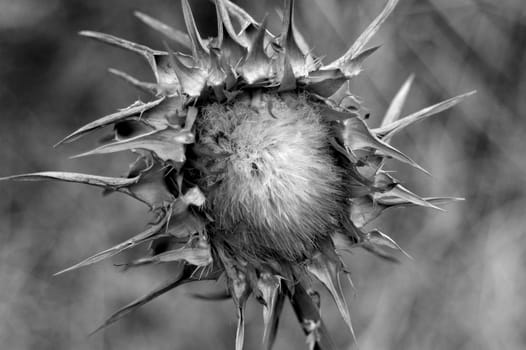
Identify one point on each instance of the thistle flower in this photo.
(256, 163)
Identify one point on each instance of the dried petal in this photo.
(146, 52)
(167, 144)
(169, 113)
(115, 183)
(288, 80)
(385, 132)
(165, 75)
(400, 202)
(191, 115)
(400, 192)
(199, 255)
(324, 82)
(150, 88)
(192, 79)
(371, 165)
(232, 49)
(240, 290)
(241, 15)
(256, 66)
(249, 26)
(357, 47)
(199, 50)
(356, 135)
(216, 74)
(187, 275)
(240, 329)
(136, 108)
(376, 237)
(344, 98)
(395, 108)
(151, 189)
(269, 286)
(354, 66)
(327, 271)
(225, 23)
(300, 61)
(171, 33)
(130, 243)
(364, 210)
(387, 188)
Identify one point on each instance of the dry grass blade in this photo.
(355, 65)
(400, 192)
(141, 301)
(166, 144)
(200, 256)
(93, 180)
(178, 36)
(150, 88)
(199, 50)
(443, 200)
(364, 38)
(119, 42)
(130, 243)
(395, 108)
(134, 109)
(365, 209)
(146, 52)
(400, 202)
(187, 275)
(369, 32)
(388, 131)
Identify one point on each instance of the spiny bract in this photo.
(256, 162)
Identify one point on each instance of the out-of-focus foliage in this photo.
(464, 290)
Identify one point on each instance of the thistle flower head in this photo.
(256, 162)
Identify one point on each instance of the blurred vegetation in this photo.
(466, 287)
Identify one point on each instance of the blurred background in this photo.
(466, 287)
